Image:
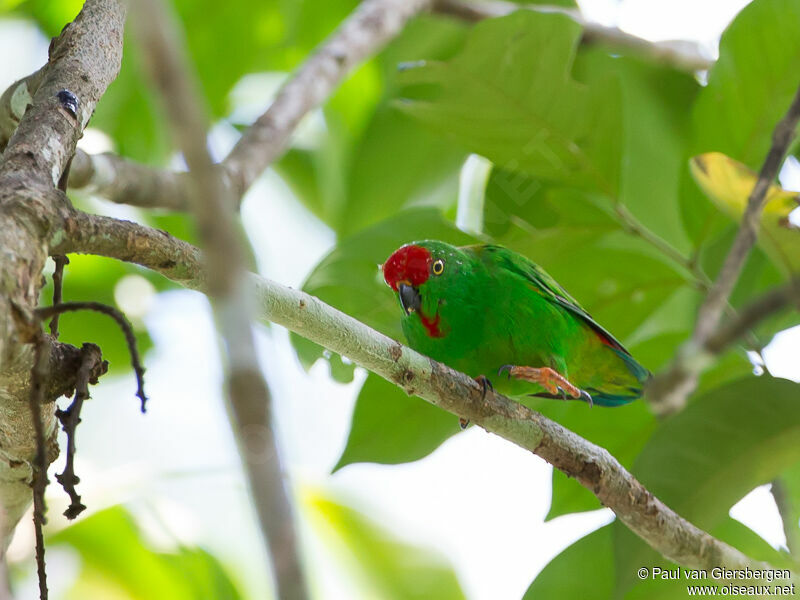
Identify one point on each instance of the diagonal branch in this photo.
(228, 286)
(364, 32)
(125, 181)
(659, 526)
(669, 390)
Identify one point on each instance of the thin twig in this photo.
(46, 312)
(659, 526)
(38, 377)
(91, 359)
(58, 282)
(635, 227)
(752, 314)
(669, 390)
(710, 312)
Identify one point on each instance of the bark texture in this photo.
(84, 59)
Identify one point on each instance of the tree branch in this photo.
(682, 55)
(659, 526)
(124, 181)
(364, 32)
(669, 390)
(213, 209)
(83, 60)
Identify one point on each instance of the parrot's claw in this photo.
(587, 397)
(505, 368)
(486, 385)
(562, 392)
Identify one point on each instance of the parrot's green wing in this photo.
(548, 287)
(541, 282)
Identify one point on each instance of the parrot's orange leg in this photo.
(548, 378)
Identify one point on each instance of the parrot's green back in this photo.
(491, 307)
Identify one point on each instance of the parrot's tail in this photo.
(624, 394)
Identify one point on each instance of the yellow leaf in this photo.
(728, 184)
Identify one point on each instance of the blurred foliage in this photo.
(390, 569)
(116, 560)
(591, 149)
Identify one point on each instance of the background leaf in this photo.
(392, 569)
(489, 99)
(112, 549)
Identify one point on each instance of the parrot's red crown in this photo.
(409, 263)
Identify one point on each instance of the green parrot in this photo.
(484, 309)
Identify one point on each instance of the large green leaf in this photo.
(509, 96)
(111, 548)
(749, 89)
(372, 159)
(389, 568)
(656, 103)
(390, 427)
(397, 163)
(583, 570)
(789, 482)
(707, 457)
(703, 460)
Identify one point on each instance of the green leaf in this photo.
(51, 15)
(706, 458)
(491, 98)
(749, 89)
(789, 482)
(752, 82)
(396, 164)
(112, 548)
(390, 427)
(583, 570)
(372, 159)
(391, 569)
(728, 441)
(656, 108)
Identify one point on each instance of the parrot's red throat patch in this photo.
(411, 264)
(431, 325)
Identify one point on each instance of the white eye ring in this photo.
(438, 267)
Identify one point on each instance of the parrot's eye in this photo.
(438, 267)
